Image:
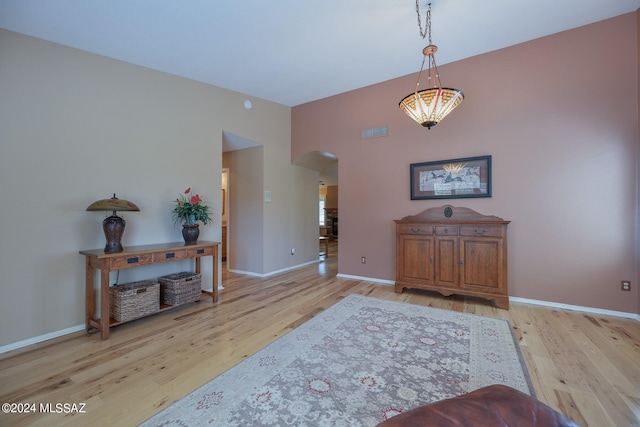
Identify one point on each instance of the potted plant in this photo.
(189, 209)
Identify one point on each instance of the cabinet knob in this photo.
(431, 259)
(480, 230)
(461, 262)
(415, 230)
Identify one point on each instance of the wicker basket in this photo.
(180, 288)
(133, 300)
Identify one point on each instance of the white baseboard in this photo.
(551, 304)
(220, 288)
(576, 308)
(56, 334)
(271, 273)
(41, 338)
(367, 279)
(593, 310)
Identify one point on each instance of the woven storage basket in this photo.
(133, 300)
(180, 288)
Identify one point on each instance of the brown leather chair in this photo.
(496, 405)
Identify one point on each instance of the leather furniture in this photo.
(496, 405)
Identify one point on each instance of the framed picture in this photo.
(451, 179)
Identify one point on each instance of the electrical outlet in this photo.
(625, 285)
(293, 251)
(363, 260)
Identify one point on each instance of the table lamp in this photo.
(113, 225)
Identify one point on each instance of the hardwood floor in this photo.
(586, 366)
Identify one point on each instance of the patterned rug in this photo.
(357, 363)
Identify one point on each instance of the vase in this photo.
(190, 232)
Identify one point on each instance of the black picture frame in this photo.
(451, 179)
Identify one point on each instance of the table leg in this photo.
(89, 293)
(198, 271)
(215, 273)
(214, 281)
(198, 266)
(105, 314)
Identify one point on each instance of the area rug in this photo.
(357, 363)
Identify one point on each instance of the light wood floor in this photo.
(586, 366)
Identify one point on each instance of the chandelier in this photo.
(429, 106)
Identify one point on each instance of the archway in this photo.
(326, 164)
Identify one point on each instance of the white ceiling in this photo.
(294, 51)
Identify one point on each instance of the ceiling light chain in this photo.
(429, 106)
(423, 33)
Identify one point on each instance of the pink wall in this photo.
(558, 115)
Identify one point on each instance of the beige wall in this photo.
(559, 116)
(293, 207)
(261, 234)
(76, 127)
(245, 235)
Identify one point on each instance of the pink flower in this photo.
(190, 208)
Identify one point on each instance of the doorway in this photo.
(225, 215)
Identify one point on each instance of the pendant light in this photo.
(429, 106)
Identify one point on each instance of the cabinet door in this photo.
(446, 266)
(482, 264)
(416, 260)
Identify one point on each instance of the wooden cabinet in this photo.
(453, 250)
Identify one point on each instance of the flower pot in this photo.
(190, 233)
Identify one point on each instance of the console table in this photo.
(136, 256)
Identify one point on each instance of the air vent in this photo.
(375, 132)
